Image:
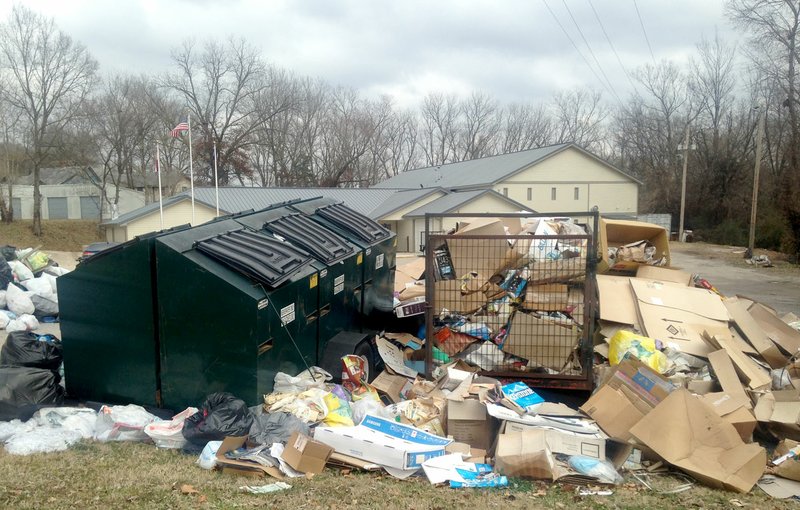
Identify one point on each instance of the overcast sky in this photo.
(514, 50)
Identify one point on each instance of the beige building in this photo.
(557, 178)
(402, 211)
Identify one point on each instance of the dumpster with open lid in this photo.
(233, 309)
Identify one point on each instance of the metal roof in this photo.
(372, 202)
(482, 171)
(61, 175)
(456, 199)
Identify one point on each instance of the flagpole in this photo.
(158, 171)
(216, 186)
(191, 168)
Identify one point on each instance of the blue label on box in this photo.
(405, 432)
(522, 395)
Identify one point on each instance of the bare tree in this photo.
(580, 116)
(439, 128)
(525, 127)
(480, 126)
(223, 86)
(51, 76)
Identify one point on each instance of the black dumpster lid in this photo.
(263, 258)
(302, 230)
(364, 228)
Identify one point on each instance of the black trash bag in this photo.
(221, 415)
(6, 274)
(44, 307)
(276, 427)
(24, 349)
(8, 252)
(23, 387)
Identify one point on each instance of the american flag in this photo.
(178, 130)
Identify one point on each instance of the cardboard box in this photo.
(484, 256)
(781, 411)
(529, 454)
(790, 468)
(468, 422)
(392, 385)
(616, 233)
(242, 467)
(380, 441)
(554, 271)
(727, 377)
(689, 434)
(447, 294)
(617, 301)
(749, 371)
(629, 393)
(733, 411)
(306, 455)
(540, 341)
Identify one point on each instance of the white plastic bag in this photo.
(208, 457)
(122, 423)
(39, 286)
(56, 270)
(20, 270)
(42, 440)
(4, 319)
(77, 419)
(18, 301)
(2, 298)
(24, 322)
(9, 428)
(284, 383)
(366, 406)
(169, 434)
(52, 280)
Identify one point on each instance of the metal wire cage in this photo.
(514, 294)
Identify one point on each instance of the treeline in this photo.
(272, 127)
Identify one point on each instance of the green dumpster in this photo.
(109, 324)
(233, 307)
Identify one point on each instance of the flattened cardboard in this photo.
(733, 411)
(306, 455)
(615, 233)
(346, 461)
(749, 371)
(393, 357)
(781, 410)
(529, 454)
(540, 341)
(755, 335)
(548, 297)
(778, 331)
(447, 294)
(678, 316)
(561, 441)
(664, 274)
(630, 391)
(617, 301)
(727, 377)
(689, 434)
(553, 271)
(242, 467)
(779, 488)
(492, 253)
(469, 422)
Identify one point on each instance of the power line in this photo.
(589, 46)
(608, 39)
(641, 23)
(585, 60)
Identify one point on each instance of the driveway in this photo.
(778, 287)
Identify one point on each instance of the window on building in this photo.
(57, 208)
(505, 192)
(552, 193)
(577, 193)
(530, 194)
(90, 208)
(16, 207)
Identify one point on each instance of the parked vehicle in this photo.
(95, 248)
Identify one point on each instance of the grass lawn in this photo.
(130, 475)
(57, 235)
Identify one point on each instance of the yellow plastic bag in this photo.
(644, 348)
(339, 413)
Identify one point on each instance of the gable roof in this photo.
(401, 199)
(483, 171)
(61, 175)
(456, 199)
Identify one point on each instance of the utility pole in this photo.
(683, 182)
(754, 206)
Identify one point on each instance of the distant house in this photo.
(71, 193)
(402, 211)
(557, 178)
(172, 183)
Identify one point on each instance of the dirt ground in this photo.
(725, 268)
